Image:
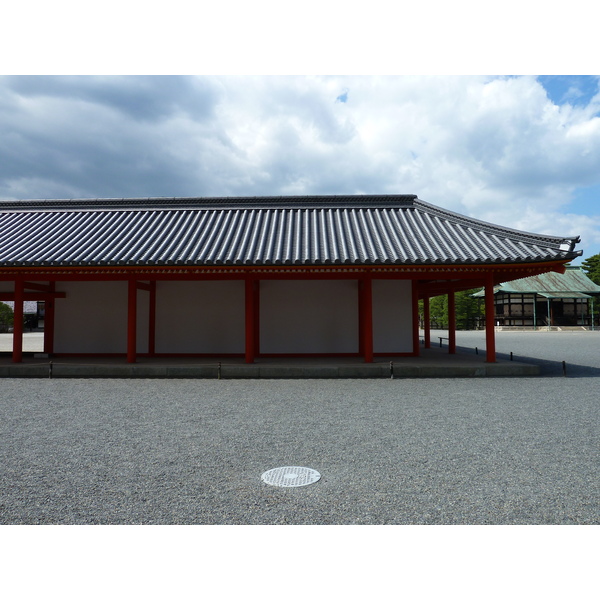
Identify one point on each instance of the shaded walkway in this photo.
(433, 362)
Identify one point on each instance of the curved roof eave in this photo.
(491, 227)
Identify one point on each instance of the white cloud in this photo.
(495, 148)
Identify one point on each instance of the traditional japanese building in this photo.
(253, 277)
(546, 300)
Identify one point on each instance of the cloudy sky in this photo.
(517, 150)
(521, 151)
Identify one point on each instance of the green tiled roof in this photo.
(574, 283)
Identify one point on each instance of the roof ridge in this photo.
(216, 201)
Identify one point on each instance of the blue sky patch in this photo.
(342, 97)
(576, 90)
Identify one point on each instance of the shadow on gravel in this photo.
(548, 368)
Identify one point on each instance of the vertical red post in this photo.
(490, 334)
(250, 320)
(361, 341)
(131, 321)
(427, 322)
(451, 322)
(152, 319)
(367, 319)
(415, 316)
(17, 354)
(256, 289)
(49, 321)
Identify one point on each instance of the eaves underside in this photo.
(238, 270)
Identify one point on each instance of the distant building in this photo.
(548, 299)
(253, 277)
(32, 311)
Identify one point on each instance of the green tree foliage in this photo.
(591, 266)
(6, 317)
(469, 311)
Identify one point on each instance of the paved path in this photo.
(32, 341)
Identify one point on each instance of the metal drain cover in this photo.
(291, 476)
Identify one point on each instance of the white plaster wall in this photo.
(392, 315)
(92, 318)
(200, 317)
(308, 316)
(209, 317)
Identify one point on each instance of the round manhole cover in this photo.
(291, 476)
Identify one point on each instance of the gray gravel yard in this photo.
(402, 451)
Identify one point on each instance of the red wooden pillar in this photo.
(361, 340)
(17, 354)
(49, 320)
(250, 301)
(415, 319)
(131, 321)
(490, 334)
(427, 322)
(451, 322)
(256, 289)
(152, 319)
(366, 318)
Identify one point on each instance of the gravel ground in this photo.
(403, 451)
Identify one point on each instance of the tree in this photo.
(591, 266)
(468, 310)
(6, 317)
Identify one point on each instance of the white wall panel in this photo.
(208, 317)
(392, 315)
(308, 316)
(92, 318)
(200, 317)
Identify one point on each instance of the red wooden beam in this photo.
(503, 272)
(49, 322)
(427, 322)
(250, 321)
(490, 334)
(17, 355)
(415, 317)
(38, 287)
(257, 318)
(366, 320)
(131, 321)
(152, 319)
(361, 332)
(39, 296)
(451, 322)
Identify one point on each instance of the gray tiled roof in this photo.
(311, 230)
